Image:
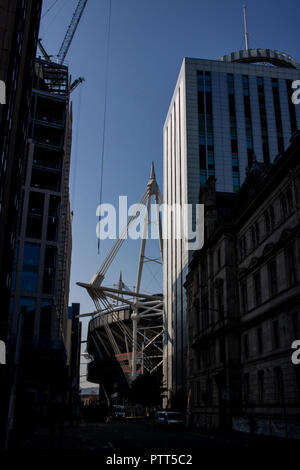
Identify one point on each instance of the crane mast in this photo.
(71, 31)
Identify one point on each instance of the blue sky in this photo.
(148, 42)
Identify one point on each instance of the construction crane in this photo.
(43, 50)
(75, 84)
(65, 46)
(71, 31)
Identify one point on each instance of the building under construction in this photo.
(40, 287)
(19, 26)
(43, 373)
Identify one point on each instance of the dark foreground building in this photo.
(40, 329)
(43, 248)
(19, 26)
(243, 293)
(75, 356)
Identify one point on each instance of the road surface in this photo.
(141, 438)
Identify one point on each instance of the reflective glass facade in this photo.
(263, 119)
(44, 232)
(29, 314)
(223, 116)
(233, 133)
(248, 119)
(206, 132)
(278, 118)
(31, 259)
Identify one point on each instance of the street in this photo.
(141, 437)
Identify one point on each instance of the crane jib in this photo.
(71, 31)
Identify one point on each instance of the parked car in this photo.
(174, 419)
(159, 418)
(119, 412)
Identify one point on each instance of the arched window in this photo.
(267, 222)
(272, 216)
(261, 385)
(246, 389)
(283, 204)
(278, 385)
(209, 392)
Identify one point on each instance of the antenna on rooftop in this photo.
(246, 29)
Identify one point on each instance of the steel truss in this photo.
(143, 340)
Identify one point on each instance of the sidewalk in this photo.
(247, 440)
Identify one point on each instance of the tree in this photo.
(147, 389)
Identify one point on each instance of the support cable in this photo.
(53, 19)
(50, 8)
(104, 112)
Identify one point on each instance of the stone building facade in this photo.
(243, 300)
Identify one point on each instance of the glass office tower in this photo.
(224, 115)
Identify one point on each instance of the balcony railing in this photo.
(48, 141)
(42, 119)
(47, 164)
(34, 213)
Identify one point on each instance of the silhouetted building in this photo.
(243, 297)
(74, 364)
(19, 26)
(41, 275)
